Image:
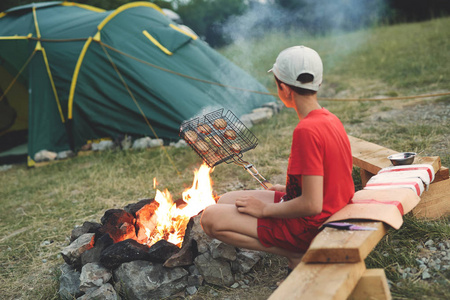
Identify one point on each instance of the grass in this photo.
(41, 206)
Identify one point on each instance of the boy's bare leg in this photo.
(225, 223)
(230, 197)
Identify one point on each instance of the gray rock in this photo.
(257, 116)
(429, 243)
(93, 275)
(247, 259)
(193, 270)
(261, 114)
(145, 280)
(104, 292)
(191, 290)
(180, 144)
(65, 154)
(102, 146)
(198, 235)
(156, 143)
(215, 271)
(247, 120)
(141, 143)
(72, 253)
(69, 283)
(45, 155)
(426, 275)
(275, 106)
(195, 280)
(87, 227)
(219, 249)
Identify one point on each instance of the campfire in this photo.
(170, 219)
(160, 238)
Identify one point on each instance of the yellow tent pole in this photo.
(85, 6)
(125, 7)
(36, 26)
(173, 26)
(44, 54)
(49, 72)
(157, 44)
(14, 37)
(75, 77)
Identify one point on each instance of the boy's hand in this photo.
(278, 188)
(251, 206)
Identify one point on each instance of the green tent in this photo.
(72, 73)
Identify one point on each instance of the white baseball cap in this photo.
(295, 61)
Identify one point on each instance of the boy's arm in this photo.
(308, 204)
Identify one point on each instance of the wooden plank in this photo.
(369, 156)
(320, 281)
(372, 285)
(344, 246)
(372, 157)
(434, 203)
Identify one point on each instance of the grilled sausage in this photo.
(220, 124)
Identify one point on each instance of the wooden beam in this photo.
(372, 157)
(372, 285)
(344, 246)
(434, 203)
(369, 156)
(365, 176)
(442, 174)
(320, 281)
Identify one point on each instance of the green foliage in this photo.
(206, 17)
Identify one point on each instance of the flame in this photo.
(171, 221)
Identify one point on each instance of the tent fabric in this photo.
(94, 74)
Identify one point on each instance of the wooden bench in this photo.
(333, 267)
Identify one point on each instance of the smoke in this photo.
(302, 20)
(313, 16)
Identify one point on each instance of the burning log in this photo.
(146, 221)
(119, 224)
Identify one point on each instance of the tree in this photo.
(206, 17)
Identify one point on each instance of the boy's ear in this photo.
(285, 89)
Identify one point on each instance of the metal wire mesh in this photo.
(216, 144)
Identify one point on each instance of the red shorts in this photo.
(293, 234)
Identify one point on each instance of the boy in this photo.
(285, 219)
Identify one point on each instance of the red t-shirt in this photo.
(320, 146)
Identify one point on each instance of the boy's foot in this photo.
(294, 261)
